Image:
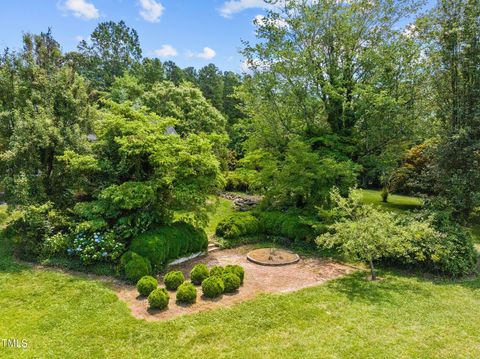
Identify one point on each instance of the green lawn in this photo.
(397, 203)
(66, 316)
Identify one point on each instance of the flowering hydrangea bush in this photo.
(96, 247)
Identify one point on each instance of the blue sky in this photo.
(189, 32)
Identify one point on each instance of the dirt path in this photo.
(258, 279)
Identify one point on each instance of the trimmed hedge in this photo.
(237, 225)
(213, 287)
(231, 282)
(236, 269)
(199, 273)
(272, 223)
(146, 285)
(167, 243)
(187, 293)
(158, 299)
(173, 280)
(136, 267)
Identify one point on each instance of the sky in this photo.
(189, 32)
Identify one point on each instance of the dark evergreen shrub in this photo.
(212, 287)
(137, 267)
(231, 282)
(236, 269)
(158, 299)
(217, 270)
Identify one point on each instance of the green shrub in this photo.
(237, 225)
(199, 273)
(158, 299)
(212, 287)
(231, 282)
(217, 270)
(146, 285)
(289, 225)
(167, 243)
(55, 246)
(173, 280)
(34, 225)
(137, 267)
(236, 269)
(187, 293)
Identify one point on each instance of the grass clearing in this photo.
(396, 203)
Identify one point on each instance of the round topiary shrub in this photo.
(212, 287)
(173, 280)
(187, 293)
(236, 269)
(231, 282)
(199, 273)
(217, 270)
(158, 299)
(146, 285)
(137, 267)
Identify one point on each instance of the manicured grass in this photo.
(397, 203)
(68, 316)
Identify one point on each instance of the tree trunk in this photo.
(374, 275)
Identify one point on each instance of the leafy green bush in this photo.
(212, 287)
(231, 282)
(137, 267)
(146, 285)
(237, 225)
(236, 269)
(199, 273)
(217, 270)
(167, 243)
(34, 225)
(55, 246)
(240, 180)
(187, 293)
(158, 299)
(173, 280)
(290, 225)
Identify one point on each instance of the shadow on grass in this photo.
(358, 287)
(7, 262)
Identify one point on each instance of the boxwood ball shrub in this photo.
(187, 293)
(199, 273)
(231, 282)
(146, 285)
(236, 269)
(158, 299)
(212, 287)
(137, 267)
(217, 270)
(173, 280)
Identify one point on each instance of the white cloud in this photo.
(207, 53)
(81, 9)
(166, 51)
(151, 10)
(232, 7)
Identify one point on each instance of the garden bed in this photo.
(258, 279)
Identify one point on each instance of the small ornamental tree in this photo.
(363, 233)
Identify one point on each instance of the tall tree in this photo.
(455, 70)
(44, 110)
(113, 49)
(210, 81)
